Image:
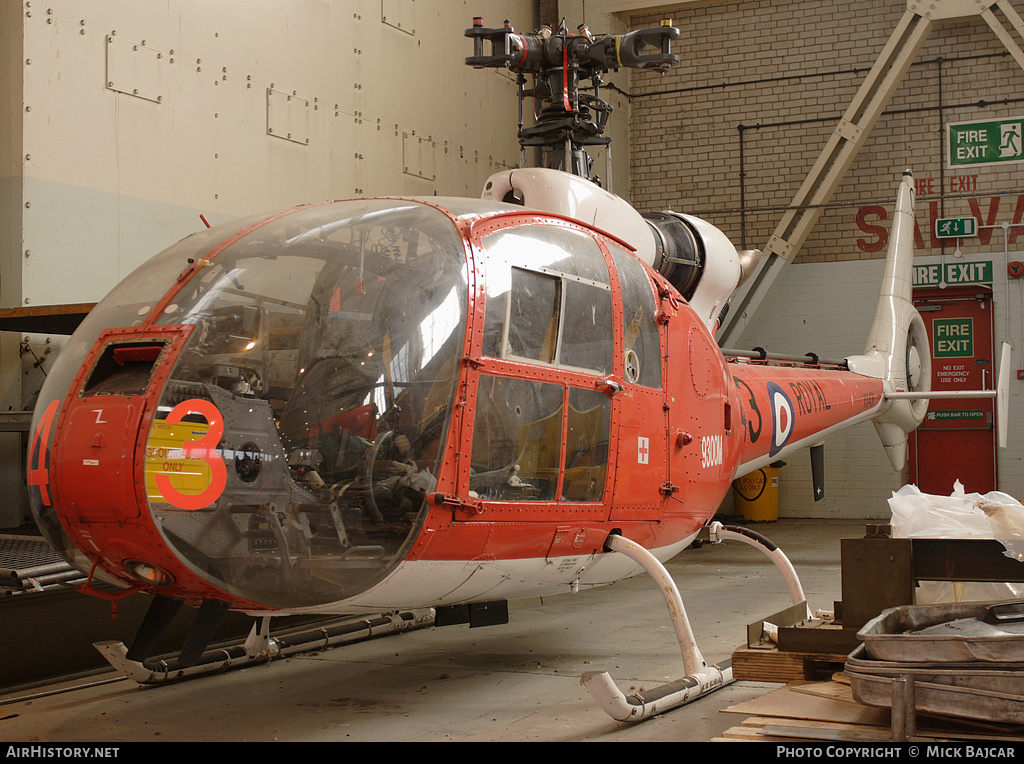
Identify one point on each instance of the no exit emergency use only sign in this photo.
(985, 142)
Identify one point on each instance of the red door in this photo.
(957, 439)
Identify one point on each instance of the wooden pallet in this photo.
(757, 664)
(826, 711)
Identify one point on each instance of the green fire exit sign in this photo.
(956, 228)
(986, 142)
(953, 337)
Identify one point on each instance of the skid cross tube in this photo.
(719, 532)
(701, 679)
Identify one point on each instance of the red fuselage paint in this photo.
(672, 451)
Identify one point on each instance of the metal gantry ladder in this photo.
(850, 136)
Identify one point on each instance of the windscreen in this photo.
(303, 422)
(128, 304)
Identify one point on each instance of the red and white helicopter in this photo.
(370, 405)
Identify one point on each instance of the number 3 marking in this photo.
(754, 434)
(204, 449)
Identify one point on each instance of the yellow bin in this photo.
(757, 495)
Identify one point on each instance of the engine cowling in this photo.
(699, 261)
(693, 255)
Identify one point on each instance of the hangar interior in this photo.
(127, 129)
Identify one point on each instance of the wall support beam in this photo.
(849, 137)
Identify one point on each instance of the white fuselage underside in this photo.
(434, 583)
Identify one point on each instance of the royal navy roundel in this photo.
(782, 418)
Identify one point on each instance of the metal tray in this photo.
(957, 633)
(1004, 678)
(942, 700)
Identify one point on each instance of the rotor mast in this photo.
(566, 121)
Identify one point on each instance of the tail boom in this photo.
(787, 408)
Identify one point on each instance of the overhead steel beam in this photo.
(849, 137)
(1000, 31)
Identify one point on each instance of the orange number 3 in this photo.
(204, 449)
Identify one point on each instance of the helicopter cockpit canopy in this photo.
(328, 340)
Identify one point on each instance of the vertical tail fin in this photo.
(897, 350)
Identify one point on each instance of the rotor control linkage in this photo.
(566, 120)
(539, 51)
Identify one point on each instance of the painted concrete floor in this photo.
(516, 682)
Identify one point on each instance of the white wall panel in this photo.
(124, 121)
(229, 108)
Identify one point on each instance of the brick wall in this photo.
(771, 79)
(547, 11)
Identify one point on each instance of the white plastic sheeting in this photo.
(961, 515)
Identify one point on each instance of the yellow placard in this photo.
(165, 456)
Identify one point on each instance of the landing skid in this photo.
(701, 678)
(260, 647)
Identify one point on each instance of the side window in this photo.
(587, 337)
(534, 307)
(518, 445)
(517, 440)
(548, 298)
(639, 311)
(586, 445)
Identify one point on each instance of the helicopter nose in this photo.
(94, 454)
(96, 481)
